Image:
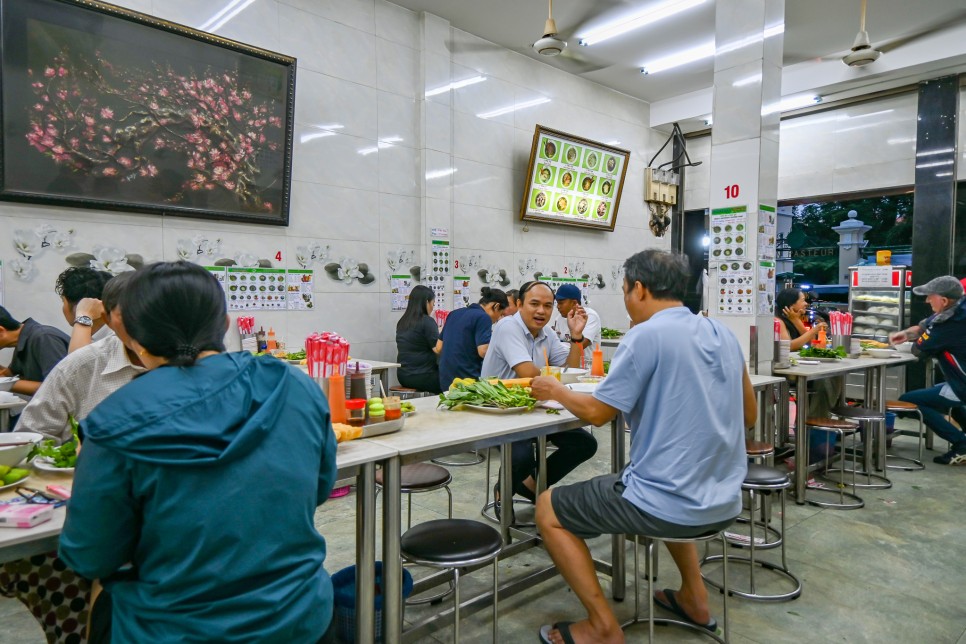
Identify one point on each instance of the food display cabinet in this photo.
(879, 304)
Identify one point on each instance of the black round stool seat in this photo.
(419, 476)
(835, 424)
(451, 542)
(858, 413)
(762, 475)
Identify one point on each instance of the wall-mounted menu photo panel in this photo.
(573, 181)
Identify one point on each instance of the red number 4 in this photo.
(278, 256)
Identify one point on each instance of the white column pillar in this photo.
(744, 166)
(851, 240)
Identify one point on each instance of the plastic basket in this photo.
(364, 367)
(344, 590)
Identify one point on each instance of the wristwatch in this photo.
(83, 320)
(577, 340)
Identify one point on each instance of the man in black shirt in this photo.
(37, 349)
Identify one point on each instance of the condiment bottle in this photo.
(357, 383)
(597, 363)
(355, 409)
(260, 339)
(270, 343)
(337, 398)
(822, 338)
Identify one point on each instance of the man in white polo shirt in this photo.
(520, 343)
(680, 381)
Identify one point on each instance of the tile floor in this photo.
(889, 572)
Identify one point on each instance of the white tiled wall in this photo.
(365, 65)
(861, 147)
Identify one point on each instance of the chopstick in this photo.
(18, 444)
(546, 358)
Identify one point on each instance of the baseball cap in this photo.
(944, 285)
(568, 292)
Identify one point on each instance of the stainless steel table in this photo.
(431, 433)
(7, 409)
(803, 374)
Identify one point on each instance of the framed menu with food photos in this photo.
(573, 181)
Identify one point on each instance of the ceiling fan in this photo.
(550, 44)
(553, 43)
(863, 53)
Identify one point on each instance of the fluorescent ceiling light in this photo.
(230, 10)
(932, 152)
(455, 85)
(901, 141)
(513, 108)
(638, 20)
(680, 58)
(944, 174)
(439, 174)
(934, 164)
(791, 103)
(381, 145)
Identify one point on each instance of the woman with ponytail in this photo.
(196, 488)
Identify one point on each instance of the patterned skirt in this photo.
(57, 596)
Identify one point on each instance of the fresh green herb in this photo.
(485, 394)
(610, 333)
(63, 456)
(816, 352)
(556, 412)
(297, 355)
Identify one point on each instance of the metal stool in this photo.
(417, 479)
(488, 511)
(758, 450)
(865, 417)
(454, 544)
(766, 480)
(841, 428)
(651, 566)
(902, 407)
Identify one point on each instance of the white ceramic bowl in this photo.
(584, 387)
(6, 382)
(570, 374)
(13, 455)
(882, 353)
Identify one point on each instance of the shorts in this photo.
(595, 507)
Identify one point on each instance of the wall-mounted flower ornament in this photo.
(25, 244)
(348, 269)
(400, 257)
(23, 269)
(469, 262)
(199, 248)
(62, 240)
(526, 266)
(110, 259)
(493, 276)
(248, 260)
(617, 275)
(311, 254)
(598, 281)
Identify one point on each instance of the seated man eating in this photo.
(518, 344)
(680, 381)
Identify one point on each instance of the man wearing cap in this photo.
(568, 296)
(942, 336)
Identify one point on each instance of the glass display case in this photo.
(879, 304)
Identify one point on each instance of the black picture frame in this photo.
(107, 108)
(573, 181)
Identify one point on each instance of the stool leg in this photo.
(920, 434)
(724, 582)
(637, 590)
(751, 544)
(650, 591)
(782, 494)
(409, 512)
(456, 605)
(449, 493)
(496, 599)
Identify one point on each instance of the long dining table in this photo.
(802, 374)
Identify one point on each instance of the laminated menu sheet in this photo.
(254, 289)
(734, 286)
(766, 288)
(462, 292)
(399, 288)
(300, 290)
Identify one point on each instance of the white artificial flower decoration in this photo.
(25, 244)
(246, 260)
(349, 270)
(110, 259)
(63, 240)
(23, 269)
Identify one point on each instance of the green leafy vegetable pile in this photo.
(297, 355)
(815, 352)
(485, 394)
(62, 456)
(610, 333)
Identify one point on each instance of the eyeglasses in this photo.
(30, 495)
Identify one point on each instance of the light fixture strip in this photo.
(646, 17)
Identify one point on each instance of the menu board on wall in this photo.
(254, 289)
(462, 292)
(399, 289)
(573, 181)
(300, 290)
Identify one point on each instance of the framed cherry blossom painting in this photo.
(111, 109)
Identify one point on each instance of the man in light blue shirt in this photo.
(520, 343)
(680, 381)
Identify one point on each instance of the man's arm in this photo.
(906, 335)
(48, 411)
(583, 406)
(481, 349)
(81, 335)
(26, 387)
(749, 399)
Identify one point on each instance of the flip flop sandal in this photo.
(672, 605)
(563, 627)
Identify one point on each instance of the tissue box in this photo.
(24, 515)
